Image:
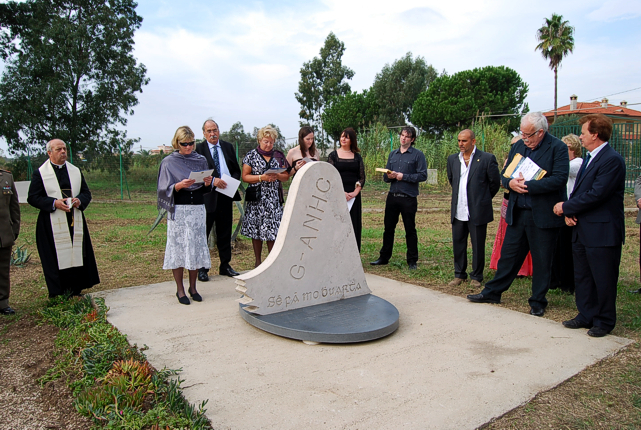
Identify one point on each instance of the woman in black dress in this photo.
(350, 166)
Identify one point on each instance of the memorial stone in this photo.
(315, 258)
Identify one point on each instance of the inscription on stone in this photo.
(315, 258)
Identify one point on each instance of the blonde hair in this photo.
(574, 142)
(269, 132)
(182, 133)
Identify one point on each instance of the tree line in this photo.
(412, 91)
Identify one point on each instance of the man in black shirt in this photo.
(406, 167)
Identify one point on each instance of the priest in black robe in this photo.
(68, 268)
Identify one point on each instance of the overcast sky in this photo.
(241, 60)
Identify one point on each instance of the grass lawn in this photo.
(606, 395)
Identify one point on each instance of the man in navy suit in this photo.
(532, 226)
(595, 211)
(475, 180)
(221, 157)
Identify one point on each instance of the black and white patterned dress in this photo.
(262, 218)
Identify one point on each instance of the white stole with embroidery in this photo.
(69, 253)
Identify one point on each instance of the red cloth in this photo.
(526, 269)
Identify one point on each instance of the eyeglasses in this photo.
(187, 143)
(527, 136)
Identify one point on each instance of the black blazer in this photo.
(483, 182)
(552, 156)
(597, 201)
(232, 164)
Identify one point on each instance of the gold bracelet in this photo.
(259, 178)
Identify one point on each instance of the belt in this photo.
(399, 195)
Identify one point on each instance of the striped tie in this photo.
(214, 155)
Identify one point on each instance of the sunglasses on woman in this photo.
(187, 143)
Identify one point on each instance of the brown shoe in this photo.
(475, 284)
(456, 282)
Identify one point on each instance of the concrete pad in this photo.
(451, 364)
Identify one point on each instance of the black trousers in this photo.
(5, 270)
(563, 264)
(521, 237)
(596, 273)
(223, 216)
(460, 232)
(405, 207)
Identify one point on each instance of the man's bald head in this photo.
(52, 141)
(57, 151)
(466, 141)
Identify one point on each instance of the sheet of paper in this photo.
(200, 176)
(308, 160)
(279, 170)
(379, 169)
(528, 168)
(350, 203)
(232, 186)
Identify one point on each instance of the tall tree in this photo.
(70, 72)
(556, 41)
(397, 87)
(353, 109)
(322, 78)
(236, 134)
(452, 102)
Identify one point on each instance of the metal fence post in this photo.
(120, 154)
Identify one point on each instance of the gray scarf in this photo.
(173, 169)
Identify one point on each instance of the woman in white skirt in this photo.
(183, 199)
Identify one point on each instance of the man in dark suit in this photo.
(532, 225)
(475, 180)
(637, 199)
(221, 157)
(595, 211)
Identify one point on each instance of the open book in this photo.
(524, 165)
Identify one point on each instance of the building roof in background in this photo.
(585, 108)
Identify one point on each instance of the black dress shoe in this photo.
(635, 291)
(537, 312)
(480, 298)
(196, 297)
(412, 266)
(7, 311)
(202, 275)
(183, 300)
(575, 323)
(379, 262)
(228, 271)
(597, 331)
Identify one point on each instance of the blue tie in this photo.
(214, 155)
(587, 160)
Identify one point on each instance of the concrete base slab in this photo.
(357, 319)
(451, 364)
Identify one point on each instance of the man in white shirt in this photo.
(474, 177)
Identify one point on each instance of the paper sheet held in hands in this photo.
(308, 160)
(350, 203)
(232, 186)
(524, 165)
(279, 170)
(379, 169)
(200, 176)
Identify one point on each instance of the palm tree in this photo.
(556, 39)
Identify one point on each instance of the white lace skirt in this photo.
(187, 239)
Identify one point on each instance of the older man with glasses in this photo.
(532, 225)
